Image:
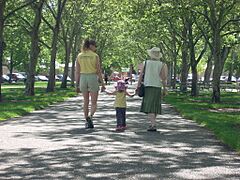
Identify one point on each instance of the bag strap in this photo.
(144, 70)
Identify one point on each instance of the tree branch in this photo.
(22, 18)
(231, 32)
(203, 32)
(17, 9)
(202, 52)
(52, 11)
(231, 20)
(48, 24)
(47, 46)
(197, 39)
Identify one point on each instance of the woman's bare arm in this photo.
(99, 73)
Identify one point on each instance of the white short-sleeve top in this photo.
(152, 73)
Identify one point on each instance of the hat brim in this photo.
(153, 55)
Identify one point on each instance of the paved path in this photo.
(52, 144)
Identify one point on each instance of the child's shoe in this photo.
(124, 127)
(119, 129)
(152, 128)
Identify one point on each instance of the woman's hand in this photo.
(103, 88)
(165, 92)
(78, 90)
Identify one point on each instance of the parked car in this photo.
(41, 78)
(60, 76)
(23, 73)
(225, 79)
(4, 79)
(17, 77)
(57, 78)
(12, 77)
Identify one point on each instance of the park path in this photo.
(53, 144)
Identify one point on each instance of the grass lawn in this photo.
(223, 119)
(16, 104)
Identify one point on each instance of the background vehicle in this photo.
(4, 79)
(16, 77)
(60, 76)
(41, 78)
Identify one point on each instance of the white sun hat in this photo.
(154, 53)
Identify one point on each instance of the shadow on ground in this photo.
(52, 144)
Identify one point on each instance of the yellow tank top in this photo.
(88, 62)
(120, 100)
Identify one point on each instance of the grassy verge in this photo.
(16, 104)
(223, 119)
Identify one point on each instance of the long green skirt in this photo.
(151, 102)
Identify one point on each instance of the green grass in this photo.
(225, 125)
(16, 104)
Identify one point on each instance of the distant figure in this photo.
(155, 82)
(88, 71)
(120, 104)
(106, 78)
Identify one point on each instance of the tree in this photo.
(57, 17)
(217, 12)
(34, 52)
(3, 19)
(2, 6)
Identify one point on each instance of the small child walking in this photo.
(120, 104)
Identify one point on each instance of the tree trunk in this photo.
(35, 50)
(218, 68)
(231, 68)
(208, 71)
(185, 65)
(51, 80)
(194, 90)
(174, 60)
(10, 67)
(216, 19)
(74, 56)
(2, 6)
(68, 46)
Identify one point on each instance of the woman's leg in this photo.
(152, 118)
(94, 98)
(85, 104)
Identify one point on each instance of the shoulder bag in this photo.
(141, 88)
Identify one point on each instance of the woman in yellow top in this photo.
(88, 74)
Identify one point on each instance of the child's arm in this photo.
(131, 95)
(110, 92)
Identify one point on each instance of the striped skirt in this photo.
(151, 102)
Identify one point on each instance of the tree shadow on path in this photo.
(53, 144)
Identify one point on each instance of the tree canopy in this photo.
(192, 35)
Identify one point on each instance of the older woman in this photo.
(88, 72)
(155, 81)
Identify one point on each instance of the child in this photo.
(120, 104)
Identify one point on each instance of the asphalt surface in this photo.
(53, 144)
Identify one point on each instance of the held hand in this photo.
(165, 92)
(103, 88)
(78, 90)
(136, 90)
